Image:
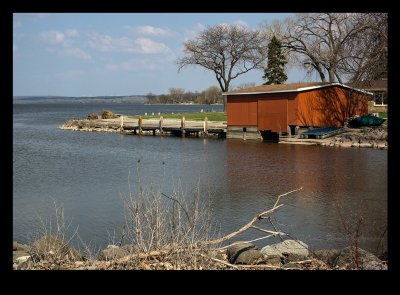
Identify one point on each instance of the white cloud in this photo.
(150, 30)
(72, 33)
(53, 37)
(107, 43)
(240, 22)
(76, 52)
(15, 47)
(150, 46)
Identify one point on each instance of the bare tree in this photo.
(151, 98)
(212, 95)
(320, 39)
(369, 50)
(228, 51)
(177, 94)
(245, 85)
(338, 46)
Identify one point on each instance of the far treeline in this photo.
(211, 95)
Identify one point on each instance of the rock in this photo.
(273, 260)
(251, 256)
(289, 250)
(20, 247)
(373, 265)
(347, 259)
(346, 144)
(291, 265)
(329, 256)
(79, 263)
(23, 262)
(17, 254)
(54, 247)
(235, 250)
(23, 259)
(355, 144)
(365, 145)
(384, 256)
(381, 145)
(112, 252)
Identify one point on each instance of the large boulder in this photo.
(353, 258)
(52, 247)
(288, 250)
(23, 262)
(238, 248)
(251, 256)
(17, 254)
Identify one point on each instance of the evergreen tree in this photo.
(274, 73)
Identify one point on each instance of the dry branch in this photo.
(255, 218)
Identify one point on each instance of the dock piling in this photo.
(121, 121)
(140, 125)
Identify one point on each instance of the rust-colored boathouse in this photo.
(285, 108)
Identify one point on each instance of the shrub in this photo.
(106, 114)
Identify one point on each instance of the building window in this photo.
(380, 99)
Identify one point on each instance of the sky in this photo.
(113, 54)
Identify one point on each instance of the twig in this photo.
(219, 261)
(279, 197)
(268, 231)
(265, 237)
(175, 200)
(273, 225)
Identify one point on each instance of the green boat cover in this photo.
(367, 120)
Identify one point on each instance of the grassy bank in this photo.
(383, 115)
(212, 116)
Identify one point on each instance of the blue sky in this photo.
(96, 54)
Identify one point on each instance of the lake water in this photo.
(87, 172)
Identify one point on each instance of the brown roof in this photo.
(291, 87)
(370, 85)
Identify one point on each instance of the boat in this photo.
(367, 120)
(321, 133)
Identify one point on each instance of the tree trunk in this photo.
(331, 75)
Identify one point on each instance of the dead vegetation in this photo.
(163, 232)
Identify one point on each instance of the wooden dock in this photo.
(161, 126)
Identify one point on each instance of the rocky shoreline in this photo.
(50, 252)
(366, 137)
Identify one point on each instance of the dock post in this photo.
(183, 123)
(121, 121)
(160, 125)
(140, 125)
(205, 129)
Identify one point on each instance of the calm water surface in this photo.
(88, 173)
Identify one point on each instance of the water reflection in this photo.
(332, 179)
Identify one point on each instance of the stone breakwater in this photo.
(90, 125)
(366, 137)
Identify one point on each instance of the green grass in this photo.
(212, 116)
(383, 115)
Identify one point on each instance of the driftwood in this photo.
(263, 215)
